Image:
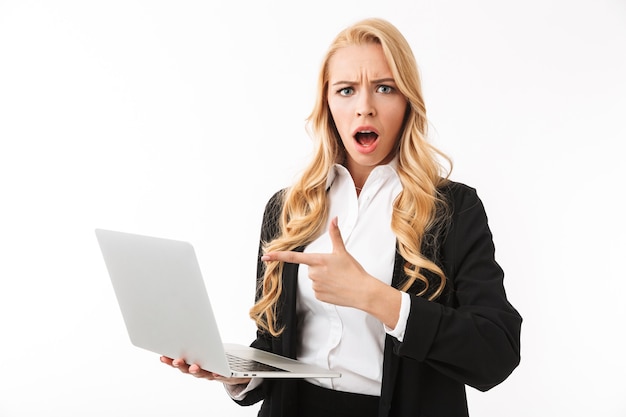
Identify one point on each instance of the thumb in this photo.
(335, 236)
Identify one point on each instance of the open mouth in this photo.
(366, 138)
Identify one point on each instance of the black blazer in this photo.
(469, 336)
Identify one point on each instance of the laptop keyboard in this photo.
(248, 365)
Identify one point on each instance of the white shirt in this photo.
(346, 339)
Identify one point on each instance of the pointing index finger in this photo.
(289, 257)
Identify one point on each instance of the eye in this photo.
(385, 89)
(345, 91)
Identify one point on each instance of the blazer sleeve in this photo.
(473, 335)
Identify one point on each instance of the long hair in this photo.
(417, 211)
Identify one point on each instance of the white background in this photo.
(180, 119)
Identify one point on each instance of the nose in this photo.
(365, 105)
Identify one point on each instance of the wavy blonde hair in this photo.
(417, 210)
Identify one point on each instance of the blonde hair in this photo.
(417, 210)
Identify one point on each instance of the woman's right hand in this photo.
(198, 372)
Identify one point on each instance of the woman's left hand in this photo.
(337, 277)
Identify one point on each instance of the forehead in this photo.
(352, 62)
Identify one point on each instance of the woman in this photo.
(374, 263)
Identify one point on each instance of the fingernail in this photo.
(265, 258)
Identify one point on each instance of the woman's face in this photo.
(366, 106)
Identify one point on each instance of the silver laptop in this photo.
(166, 309)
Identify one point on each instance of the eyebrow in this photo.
(378, 81)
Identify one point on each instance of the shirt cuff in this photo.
(405, 307)
(238, 392)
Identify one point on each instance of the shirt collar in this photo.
(336, 169)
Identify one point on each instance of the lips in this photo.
(365, 136)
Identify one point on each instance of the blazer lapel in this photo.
(288, 306)
(390, 362)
